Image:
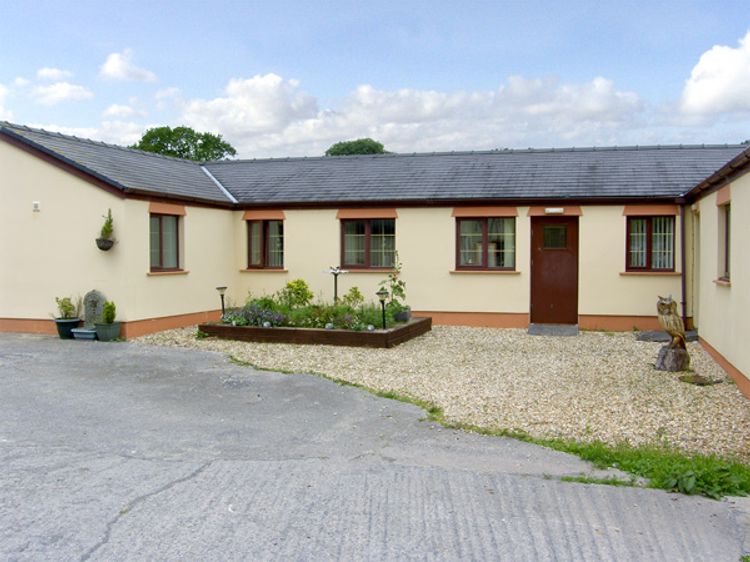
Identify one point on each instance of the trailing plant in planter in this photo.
(105, 240)
(68, 316)
(396, 286)
(108, 329)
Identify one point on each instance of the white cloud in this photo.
(124, 111)
(20, 82)
(720, 82)
(5, 114)
(167, 97)
(48, 73)
(61, 91)
(270, 116)
(120, 66)
(123, 133)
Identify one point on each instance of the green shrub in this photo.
(65, 308)
(109, 313)
(296, 293)
(107, 227)
(353, 297)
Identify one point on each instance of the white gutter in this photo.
(224, 190)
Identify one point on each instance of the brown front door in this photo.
(554, 270)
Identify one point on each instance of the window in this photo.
(265, 244)
(368, 243)
(164, 243)
(650, 243)
(725, 220)
(488, 243)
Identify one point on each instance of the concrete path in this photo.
(111, 451)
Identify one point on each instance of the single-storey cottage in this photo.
(580, 236)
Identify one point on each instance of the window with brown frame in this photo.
(164, 242)
(368, 243)
(650, 243)
(486, 243)
(265, 244)
(725, 215)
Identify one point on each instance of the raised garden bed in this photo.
(378, 338)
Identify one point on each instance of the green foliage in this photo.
(66, 309)
(200, 335)
(109, 312)
(184, 142)
(396, 286)
(358, 146)
(107, 227)
(295, 293)
(353, 297)
(292, 306)
(666, 469)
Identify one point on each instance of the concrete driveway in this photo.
(111, 451)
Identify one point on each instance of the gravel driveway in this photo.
(597, 385)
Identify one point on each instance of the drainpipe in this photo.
(683, 276)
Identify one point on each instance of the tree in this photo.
(359, 146)
(184, 142)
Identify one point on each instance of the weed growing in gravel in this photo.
(608, 481)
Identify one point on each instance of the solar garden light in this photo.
(336, 271)
(382, 295)
(222, 290)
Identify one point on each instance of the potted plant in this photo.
(67, 318)
(108, 330)
(105, 241)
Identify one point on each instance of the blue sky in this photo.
(291, 78)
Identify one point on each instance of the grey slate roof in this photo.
(659, 172)
(636, 172)
(124, 168)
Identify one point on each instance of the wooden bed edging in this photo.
(379, 338)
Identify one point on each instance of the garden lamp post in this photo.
(382, 295)
(222, 290)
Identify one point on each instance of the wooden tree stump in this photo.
(672, 359)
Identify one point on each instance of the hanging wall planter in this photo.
(104, 244)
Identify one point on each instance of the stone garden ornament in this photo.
(674, 355)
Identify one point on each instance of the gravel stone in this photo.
(596, 386)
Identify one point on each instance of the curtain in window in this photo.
(470, 235)
(155, 242)
(256, 243)
(382, 242)
(354, 243)
(502, 244)
(637, 243)
(275, 244)
(662, 243)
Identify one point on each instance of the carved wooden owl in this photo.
(666, 309)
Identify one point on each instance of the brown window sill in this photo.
(381, 271)
(161, 273)
(485, 271)
(723, 282)
(264, 270)
(652, 273)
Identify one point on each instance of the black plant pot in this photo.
(65, 327)
(402, 316)
(104, 243)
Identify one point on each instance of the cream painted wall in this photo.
(724, 310)
(602, 290)
(53, 253)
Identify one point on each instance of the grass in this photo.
(663, 467)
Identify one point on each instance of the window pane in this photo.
(470, 243)
(637, 243)
(727, 239)
(275, 244)
(354, 243)
(662, 242)
(555, 237)
(155, 249)
(382, 242)
(169, 241)
(502, 243)
(256, 243)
